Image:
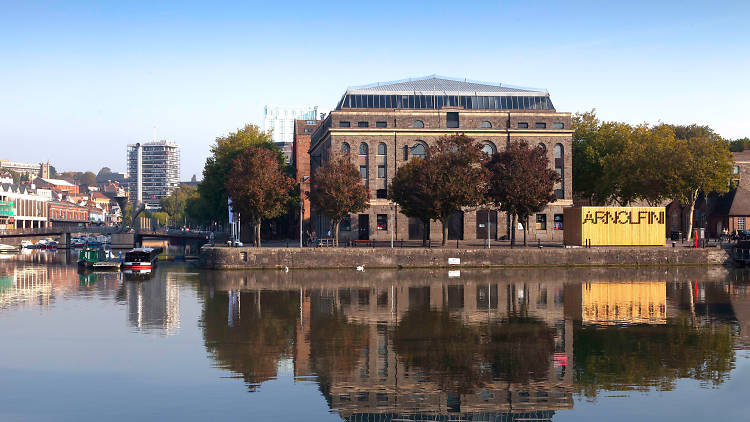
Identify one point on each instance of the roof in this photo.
(58, 182)
(741, 156)
(740, 202)
(434, 85)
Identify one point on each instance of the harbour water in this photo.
(476, 345)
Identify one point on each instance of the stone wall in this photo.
(276, 258)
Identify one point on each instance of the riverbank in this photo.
(309, 258)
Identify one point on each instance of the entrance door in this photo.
(416, 229)
(456, 226)
(364, 226)
(483, 217)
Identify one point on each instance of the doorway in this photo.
(456, 226)
(364, 226)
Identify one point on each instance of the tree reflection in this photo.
(641, 357)
(461, 358)
(252, 338)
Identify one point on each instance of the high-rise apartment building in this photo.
(281, 121)
(157, 174)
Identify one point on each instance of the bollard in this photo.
(456, 243)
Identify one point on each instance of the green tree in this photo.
(521, 182)
(739, 145)
(212, 189)
(103, 171)
(453, 178)
(175, 204)
(706, 166)
(336, 190)
(161, 217)
(258, 186)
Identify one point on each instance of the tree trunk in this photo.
(525, 228)
(257, 234)
(691, 209)
(444, 222)
(425, 232)
(336, 232)
(513, 224)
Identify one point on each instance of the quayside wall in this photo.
(278, 258)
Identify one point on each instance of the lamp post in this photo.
(301, 208)
(390, 208)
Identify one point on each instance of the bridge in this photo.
(121, 238)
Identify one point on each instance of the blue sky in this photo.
(80, 80)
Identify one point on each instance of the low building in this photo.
(57, 185)
(32, 169)
(67, 214)
(24, 206)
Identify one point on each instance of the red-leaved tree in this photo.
(520, 182)
(258, 187)
(336, 190)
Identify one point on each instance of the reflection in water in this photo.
(154, 302)
(513, 345)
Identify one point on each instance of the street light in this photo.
(390, 208)
(301, 208)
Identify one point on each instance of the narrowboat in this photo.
(141, 259)
(88, 257)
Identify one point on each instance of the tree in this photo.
(52, 172)
(337, 190)
(193, 179)
(739, 145)
(411, 189)
(103, 171)
(706, 166)
(175, 204)
(212, 189)
(258, 186)
(88, 178)
(453, 178)
(521, 182)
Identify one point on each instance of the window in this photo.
(345, 149)
(381, 194)
(346, 224)
(486, 125)
(381, 149)
(406, 152)
(382, 220)
(558, 125)
(541, 125)
(489, 148)
(558, 222)
(363, 124)
(559, 168)
(418, 124)
(736, 170)
(523, 125)
(381, 171)
(541, 221)
(363, 149)
(542, 147)
(741, 223)
(308, 130)
(344, 124)
(381, 124)
(363, 172)
(452, 119)
(418, 151)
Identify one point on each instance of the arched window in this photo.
(381, 148)
(560, 169)
(486, 125)
(419, 150)
(418, 124)
(345, 149)
(489, 148)
(363, 149)
(542, 147)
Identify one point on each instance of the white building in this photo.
(281, 121)
(158, 174)
(23, 207)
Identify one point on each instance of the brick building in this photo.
(67, 214)
(303, 130)
(382, 126)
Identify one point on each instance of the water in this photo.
(524, 345)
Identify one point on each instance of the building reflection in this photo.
(153, 302)
(492, 346)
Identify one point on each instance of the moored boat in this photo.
(141, 259)
(8, 248)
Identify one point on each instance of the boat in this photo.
(78, 243)
(141, 259)
(27, 244)
(97, 259)
(8, 248)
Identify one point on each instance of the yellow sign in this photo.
(615, 226)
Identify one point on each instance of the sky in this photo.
(81, 80)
